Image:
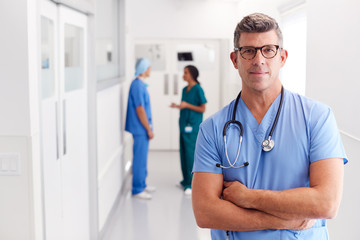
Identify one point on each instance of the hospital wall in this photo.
(333, 78)
(20, 201)
(189, 20)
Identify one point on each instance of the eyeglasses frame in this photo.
(259, 48)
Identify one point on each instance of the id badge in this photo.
(188, 129)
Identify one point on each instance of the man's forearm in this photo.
(298, 203)
(227, 216)
(213, 212)
(320, 200)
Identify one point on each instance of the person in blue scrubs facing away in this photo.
(192, 107)
(275, 171)
(139, 124)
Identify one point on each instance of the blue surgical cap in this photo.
(141, 66)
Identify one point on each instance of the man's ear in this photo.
(233, 57)
(284, 56)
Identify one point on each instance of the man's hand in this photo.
(238, 194)
(150, 134)
(299, 225)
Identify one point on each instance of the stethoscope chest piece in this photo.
(268, 144)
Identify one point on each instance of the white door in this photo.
(64, 123)
(73, 95)
(50, 135)
(168, 58)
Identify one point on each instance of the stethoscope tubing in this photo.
(278, 113)
(267, 144)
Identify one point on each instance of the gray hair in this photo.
(257, 23)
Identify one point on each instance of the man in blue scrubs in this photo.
(138, 123)
(285, 193)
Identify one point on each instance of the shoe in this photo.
(143, 195)
(187, 192)
(178, 185)
(150, 189)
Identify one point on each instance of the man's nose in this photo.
(259, 58)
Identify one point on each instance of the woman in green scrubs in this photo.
(192, 107)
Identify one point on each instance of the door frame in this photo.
(172, 69)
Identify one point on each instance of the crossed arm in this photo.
(243, 209)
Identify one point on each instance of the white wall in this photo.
(181, 19)
(333, 72)
(270, 8)
(20, 202)
(111, 144)
(333, 78)
(110, 150)
(14, 69)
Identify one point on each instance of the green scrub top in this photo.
(194, 96)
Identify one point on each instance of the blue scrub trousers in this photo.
(139, 168)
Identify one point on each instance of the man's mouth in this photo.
(258, 72)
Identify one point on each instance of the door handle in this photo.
(64, 127)
(57, 130)
(166, 84)
(175, 84)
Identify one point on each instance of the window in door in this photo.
(47, 58)
(73, 58)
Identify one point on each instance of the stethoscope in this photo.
(267, 144)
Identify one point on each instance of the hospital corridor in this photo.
(167, 215)
(89, 87)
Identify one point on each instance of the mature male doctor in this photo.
(139, 124)
(270, 164)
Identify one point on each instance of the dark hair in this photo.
(257, 23)
(194, 72)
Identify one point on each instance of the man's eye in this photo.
(268, 50)
(248, 51)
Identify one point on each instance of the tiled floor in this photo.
(168, 216)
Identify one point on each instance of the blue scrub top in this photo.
(305, 133)
(138, 96)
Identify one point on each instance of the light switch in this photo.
(10, 164)
(4, 164)
(13, 165)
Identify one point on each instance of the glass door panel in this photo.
(47, 58)
(73, 56)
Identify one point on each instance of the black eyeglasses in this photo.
(248, 53)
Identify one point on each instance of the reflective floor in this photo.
(167, 216)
